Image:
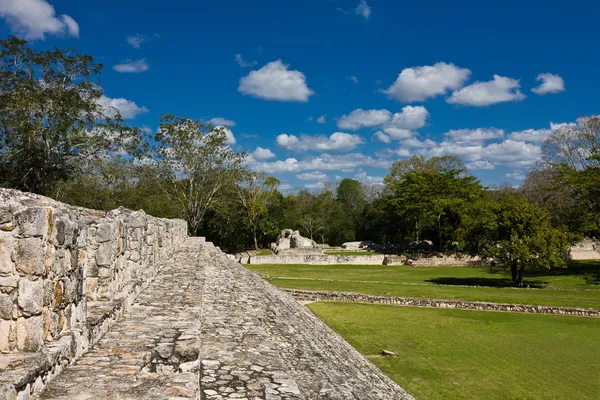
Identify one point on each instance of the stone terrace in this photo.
(133, 309)
(208, 329)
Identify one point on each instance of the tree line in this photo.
(60, 138)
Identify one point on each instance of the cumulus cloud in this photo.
(243, 63)
(131, 66)
(324, 162)
(420, 83)
(353, 79)
(136, 40)
(474, 135)
(321, 119)
(33, 19)
(480, 94)
(551, 83)
(479, 165)
(275, 81)
(537, 135)
(127, 108)
(395, 126)
(510, 152)
(382, 137)
(517, 175)
(313, 176)
(363, 9)
(222, 121)
(262, 154)
(368, 179)
(338, 141)
(363, 118)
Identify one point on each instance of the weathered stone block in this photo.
(35, 221)
(8, 335)
(105, 233)
(7, 304)
(64, 231)
(29, 256)
(105, 253)
(29, 333)
(7, 266)
(31, 296)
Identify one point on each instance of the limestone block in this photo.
(7, 266)
(8, 335)
(7, 304)
(8, 282)
(29, 256)
(105, 233)
(29, 333)
(31, 296)
(64, 231)
(105, 253)
(35, 221)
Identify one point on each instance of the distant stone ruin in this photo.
(292, 242)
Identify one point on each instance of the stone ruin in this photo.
(292, 242)
(121, 305)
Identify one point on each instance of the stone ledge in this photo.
(307, 296)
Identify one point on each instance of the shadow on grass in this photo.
(490, 282)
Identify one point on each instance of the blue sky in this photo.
(319, 90)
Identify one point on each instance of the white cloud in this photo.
(324, 162)
(363, 9)
(222, 121)
(409, 118)
(474, 135)
(537, 135)
(132, 66)
(262, 154)
(33, 19)
(315, 186)
(243, 63)
(479, 165)
(313, 176)
(510, 152)
(363, 118)
(517, 175)
(353, 79)
(421, 83)
(551, 83)
(480, 94)
(338, 141)
(275, 81)
(127, 108)
(136, 40)
(368, 179)
(72, 25)
(321, 119)
(382, 137)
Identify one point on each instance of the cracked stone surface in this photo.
(208, 329)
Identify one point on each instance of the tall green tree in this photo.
(432, 193)
(255, 196)
(53, 117)
(516, 234)
(196, 164)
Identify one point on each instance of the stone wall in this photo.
(443, 260)
(350, 297)
(65, 269)
(321, 259)
(587, 249)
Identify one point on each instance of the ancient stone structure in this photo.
(121, 305)
(349, 297)
(587, 249)
(319, 259)
(290, 239)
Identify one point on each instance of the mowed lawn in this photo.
(563, 287)
(461, 354)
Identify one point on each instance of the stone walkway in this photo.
(208, 329)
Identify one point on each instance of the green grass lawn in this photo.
(460, 354)
(261, 252)
(487, 284)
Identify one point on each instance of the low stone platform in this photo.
(206, 328)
